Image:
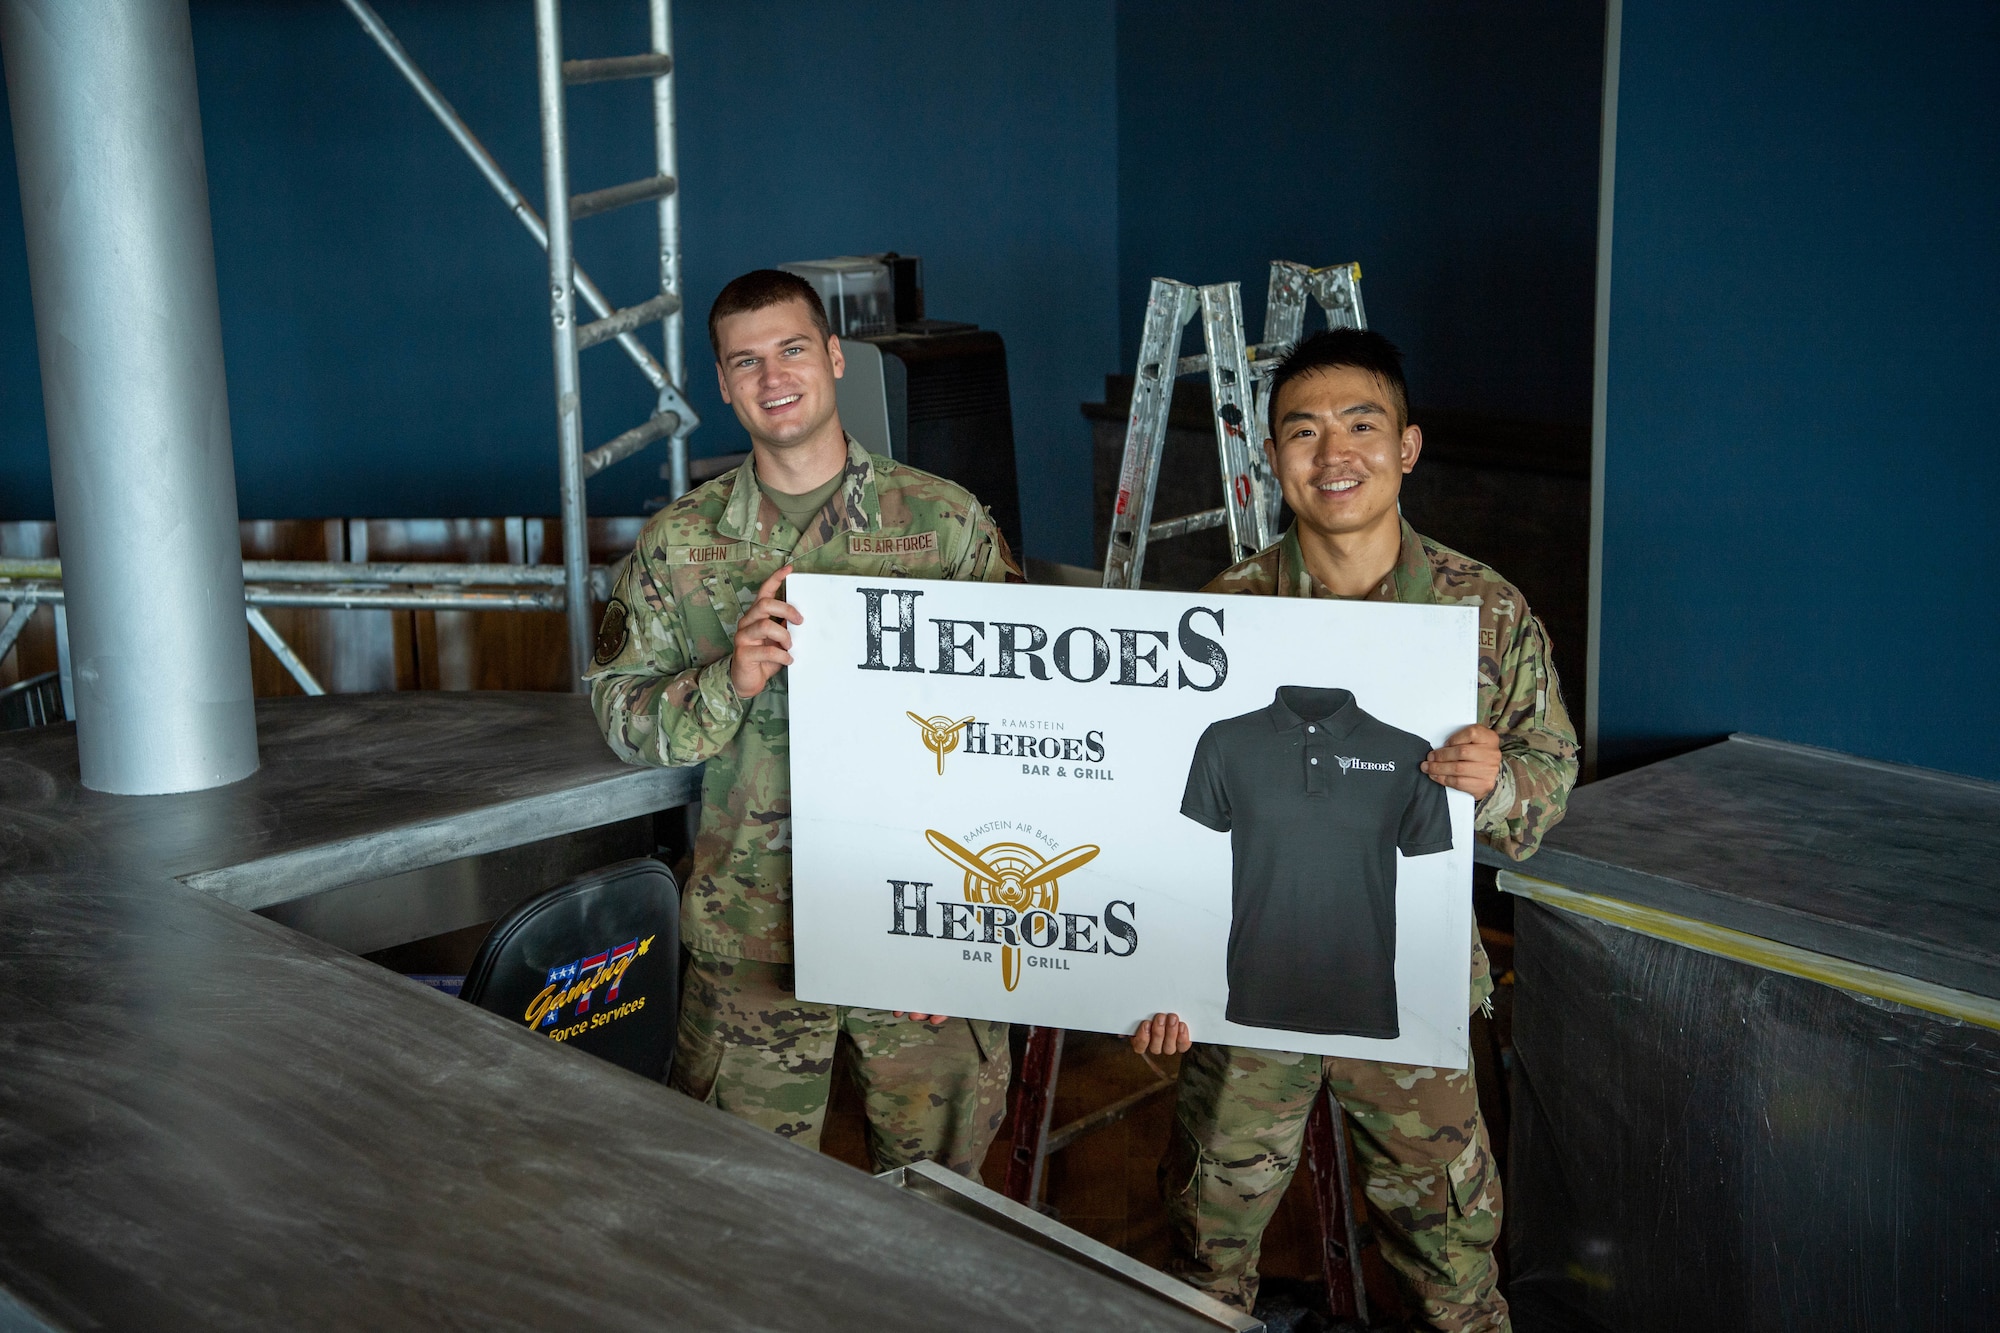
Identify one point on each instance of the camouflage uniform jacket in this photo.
(660, 679)
(1519, 696)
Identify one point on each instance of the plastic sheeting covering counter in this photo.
(1701, 1143)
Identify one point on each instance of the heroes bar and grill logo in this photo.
(941, 736)
(1012, 896)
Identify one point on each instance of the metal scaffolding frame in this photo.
(672, 417)
(325, 586)
(570, 587)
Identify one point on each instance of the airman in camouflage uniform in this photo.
(661, 689)
(663, 692)
(1432, 1185)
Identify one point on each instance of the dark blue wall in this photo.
(1449, 147)
(1801, 393)
(384, 320)
(1801, 481)
(384, 317)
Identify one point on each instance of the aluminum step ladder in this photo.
(1239, 379)
(672, 418)
(1327, 1159)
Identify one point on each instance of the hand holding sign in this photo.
(1162, 1034)
(1469, 761)
(763, 639)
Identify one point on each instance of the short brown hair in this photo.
(1363, 349)
(763, 287)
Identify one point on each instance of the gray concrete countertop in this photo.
(210, 1121)
(352, 787)
(1894, 867)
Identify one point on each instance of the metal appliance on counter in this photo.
(928, 392)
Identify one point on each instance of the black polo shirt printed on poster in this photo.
(1317, 798)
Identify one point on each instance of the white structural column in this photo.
(107, 135)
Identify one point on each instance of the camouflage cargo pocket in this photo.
(701, 601)
(1220, 1207)
(726, 601)
(1214, 1226)
(991, 1039)
(1475, 1193)
(698, 1046)
(1178, 1166)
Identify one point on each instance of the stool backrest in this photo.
(593, 963)
(34, 702)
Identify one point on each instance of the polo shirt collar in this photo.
(1409, 581)
(1342, 719)
(857, 504)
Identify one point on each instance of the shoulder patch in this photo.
(715, 553)
(613, 633)
(693, 512)
(923, 487)
(861, 543)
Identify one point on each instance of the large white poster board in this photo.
(987, 796)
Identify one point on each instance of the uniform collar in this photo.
(856, 506)
(1340, 714)
(1409, 581)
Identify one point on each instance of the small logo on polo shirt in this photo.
(1367, 764)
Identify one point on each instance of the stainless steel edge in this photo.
(954, 1191)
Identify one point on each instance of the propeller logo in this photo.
(941, 735)
(1010, 875)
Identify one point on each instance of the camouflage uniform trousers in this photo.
(1433, 1188)
(749, 1046)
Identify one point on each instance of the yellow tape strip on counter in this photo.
(1767, 954)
